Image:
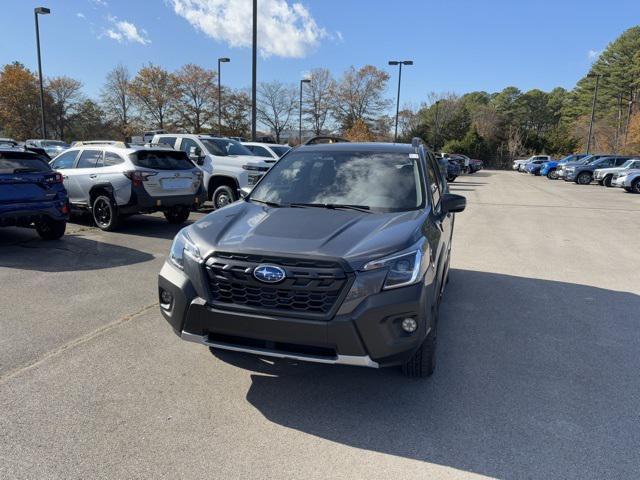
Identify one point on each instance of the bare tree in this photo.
(154, 91)
(236, 113)
(317, 98)
(360, 95)
(514, 141)
(276, 105)
(65, 95)
(116, 99)
(196, 103)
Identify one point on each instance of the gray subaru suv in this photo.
(339, 255)
(113, 179)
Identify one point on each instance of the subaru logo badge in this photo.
(269, 273)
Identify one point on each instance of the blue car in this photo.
(550, 168)
(31, 193)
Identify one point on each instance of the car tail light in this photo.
(137, 176)
(64, 209)
(55, 178)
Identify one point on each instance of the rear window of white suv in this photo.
(162, 160)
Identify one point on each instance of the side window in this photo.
(259, 151)
(171, 141)
(620, 161)
(89, 158)
(635, 164)
(434, 178)
(65, 160)
(111, 159)
(186, 144)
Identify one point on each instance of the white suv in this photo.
(113, 180)
(227, 165)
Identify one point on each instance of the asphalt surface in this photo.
(537, 372)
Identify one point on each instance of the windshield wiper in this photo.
(268, 203)
(359, 208)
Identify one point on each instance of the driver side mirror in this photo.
(452, 203)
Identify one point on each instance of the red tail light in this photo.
(137, 176)
(64, 209)
(55, 178)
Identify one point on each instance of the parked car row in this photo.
(608, 170)
(455, 164)
(110, 180)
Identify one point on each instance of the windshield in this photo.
(280, 151)
(224, 147)
(382, 181)
(629, 163)
(19, 162)
(162, 160)
(54, 143)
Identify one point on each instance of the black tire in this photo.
(423, 363)
(635, 186)
(177, 215)
(451, 178)
(584, 178)
(105, 213)
(552, 174)
(50, 229)
(628, 189)
(607, 181)
(223, 196)
(601, 182)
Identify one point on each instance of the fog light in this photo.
(409, 325)
(165, 297)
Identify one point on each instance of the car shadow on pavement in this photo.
(23, 250)
(535, 379)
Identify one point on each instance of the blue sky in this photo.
(457, 46)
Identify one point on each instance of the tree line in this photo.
(495, 127)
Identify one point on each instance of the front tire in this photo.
(49, 229)
(451, 178)
(607, 181)
(584, 178)
(552, 174)
(105, 213)
(223, 196)
(423, 363)
(177, 215)
(635, 186)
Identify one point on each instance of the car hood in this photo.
(306, 232)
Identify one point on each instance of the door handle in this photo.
(93, 176)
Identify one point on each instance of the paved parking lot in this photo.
(537, 366)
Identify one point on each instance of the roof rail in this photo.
(156, 145)
(325, 139)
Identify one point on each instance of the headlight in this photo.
(183, 245)
(403, 269)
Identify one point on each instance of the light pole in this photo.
(399, 63)
(41, 11)
(593, 107)
(254, 57)
(220, 60)
(304, 80)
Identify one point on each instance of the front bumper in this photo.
(364, 333)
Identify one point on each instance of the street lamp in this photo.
(254, 61)
(220, 60)
(399, 63)
(304, 80)
(41, 11)
(593, 107)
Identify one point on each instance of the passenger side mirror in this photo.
(452, 203)
(195, 154)
(244, 192)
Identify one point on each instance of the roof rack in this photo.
(156, 145)
(325, 139)
(112, 143)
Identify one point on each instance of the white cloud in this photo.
(80, 15)
(284, 29)
(101, 3)
(593, 54)
(124, 31)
